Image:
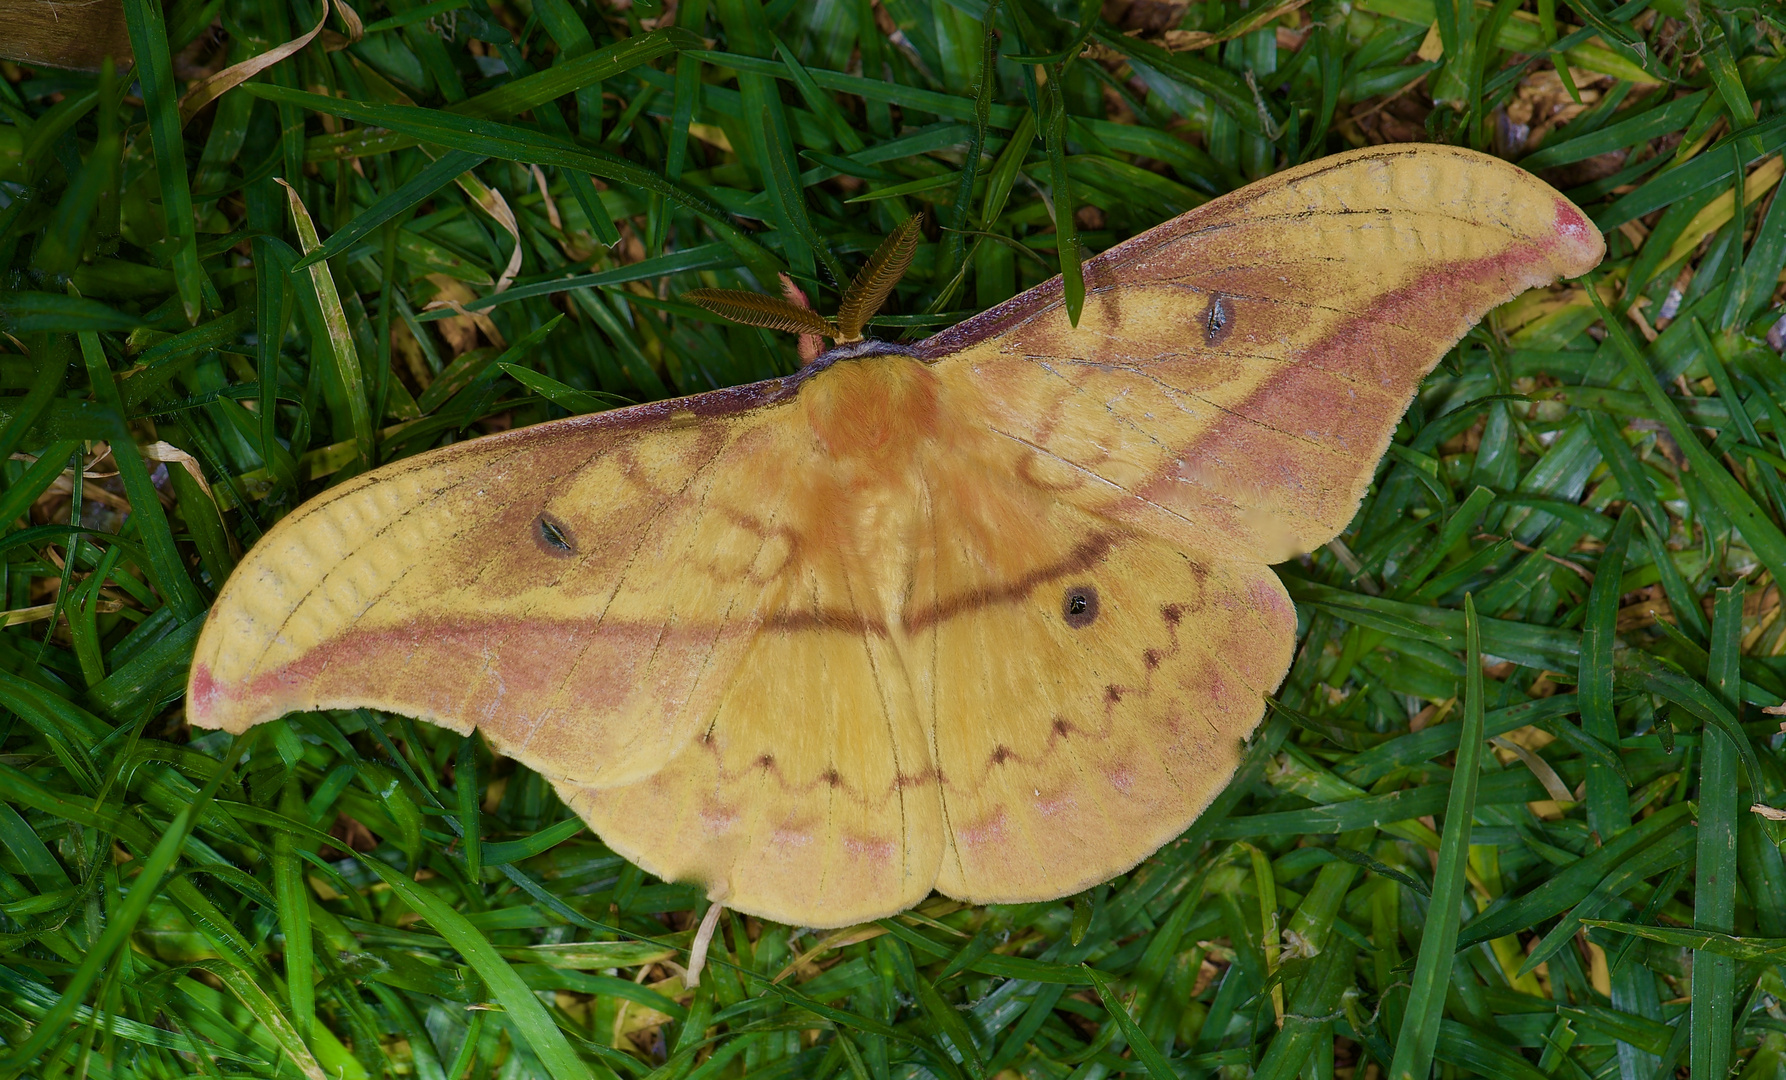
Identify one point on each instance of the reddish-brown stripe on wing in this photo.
(548, 691)
(1082, 557)
(544, 690)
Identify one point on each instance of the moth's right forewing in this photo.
(1236, 374)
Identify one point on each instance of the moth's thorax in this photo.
(875, 421)
(874, 409)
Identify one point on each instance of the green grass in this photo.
(1608, 501)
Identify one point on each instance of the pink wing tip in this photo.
(1581, 245)
(203, 696)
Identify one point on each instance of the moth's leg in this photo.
(697, 952)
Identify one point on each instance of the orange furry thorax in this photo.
(872, 408)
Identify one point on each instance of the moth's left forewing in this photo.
(1235, 374)
(580, 591)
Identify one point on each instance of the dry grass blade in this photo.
(885, 267)
(754, 309)
(215, 86)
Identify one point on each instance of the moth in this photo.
(991, 614)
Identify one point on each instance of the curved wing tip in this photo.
(209, 703)
(203, 697)
(1582, 247)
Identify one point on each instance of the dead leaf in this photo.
(460, 330)
(214, 87)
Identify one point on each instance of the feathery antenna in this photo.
(861, 300)
(885, 267)
(754, 309)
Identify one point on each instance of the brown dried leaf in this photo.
(1185, 40)
(811, 345)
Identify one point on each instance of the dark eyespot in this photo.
(553, 536)
(1220, 320)
(1080, 606)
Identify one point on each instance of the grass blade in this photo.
(1608, 810)
(335, 330)
(1419, 1035)
(165, 567)
(518, 144)
(1145, 1051)
(772, 145)
(1306, 1024)
(437, 175)
(264, 1009)
(1714, 903)
(1066, 228)
(155, 74)
(610, 61)
(524, 1009)
(1763, 536)
(470, 822)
